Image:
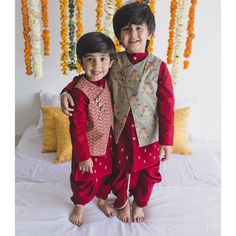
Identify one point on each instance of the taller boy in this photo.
(143, 103)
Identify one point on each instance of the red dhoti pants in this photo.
(84, 191)
(139, 185)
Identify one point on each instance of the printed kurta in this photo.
(129, 156)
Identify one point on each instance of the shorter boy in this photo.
(91, 126)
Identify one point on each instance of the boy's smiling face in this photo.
(96, 65)
(134, 38)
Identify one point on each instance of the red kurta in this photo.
(131, 157)
(143, 162)
(87, 185)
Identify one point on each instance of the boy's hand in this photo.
(164, 152)
(66, 99)
(86, 166)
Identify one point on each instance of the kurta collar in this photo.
(136, 57)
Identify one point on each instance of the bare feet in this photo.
(137, 213)
(105, 208)
(124, 213)
(76, 216)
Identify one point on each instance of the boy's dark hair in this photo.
(95, 42)
(133, 13)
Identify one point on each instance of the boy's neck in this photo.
(136, 57)
(99, 83)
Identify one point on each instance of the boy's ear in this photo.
(111, 63)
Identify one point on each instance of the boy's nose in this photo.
(132, 32)
(96, 63)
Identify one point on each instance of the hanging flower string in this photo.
(179, 35)
(34, 21)
(173, 8)
(79, 27)
(26, 30)
(64, 43)
(109, 10)
(118, 5)
(45, 35)
(99, 16)
(152, 7)
(191, 34)
(71, 63)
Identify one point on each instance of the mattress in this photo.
(186, 202)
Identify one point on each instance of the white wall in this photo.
(201, 80)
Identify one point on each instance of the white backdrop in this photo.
(201, 80)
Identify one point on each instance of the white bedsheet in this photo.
(185, 203)
(43, 209)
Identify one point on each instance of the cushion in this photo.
(181, 137)
(49, 130)
(64, 147)
(194, 129)
(47, 99)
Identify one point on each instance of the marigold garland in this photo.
(179, 35)
(79, 27)
(35, 25)
(71, 25)
(173, 9)
(109, 9)
(118, 5)
(191, 34)
(26, 30)
(64, 31)
(152, 7)
(99, 16)
(45, 35)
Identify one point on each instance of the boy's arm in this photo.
(165, 96)
(66, 100)
(80, 147)
(70, 86)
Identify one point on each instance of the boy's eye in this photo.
(126, 28)
(103, 59)
(89, 59)
(139, 28)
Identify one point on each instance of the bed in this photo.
(186, 202)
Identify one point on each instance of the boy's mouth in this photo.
(134, 41)
(96, 72)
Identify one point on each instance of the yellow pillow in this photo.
(49, 130)
(64, 147)
(181, 138)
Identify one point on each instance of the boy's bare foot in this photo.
(137, 213)
(124, 213)
(76, 216)
(105, 208)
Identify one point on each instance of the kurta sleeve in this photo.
(80, 147)
(71, 85)
(165, 96)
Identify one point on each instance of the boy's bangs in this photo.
(135, 20)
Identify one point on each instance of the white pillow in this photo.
(195, 132)
(47, 99)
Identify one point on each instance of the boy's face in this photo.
(134, 38)
(96, 65)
